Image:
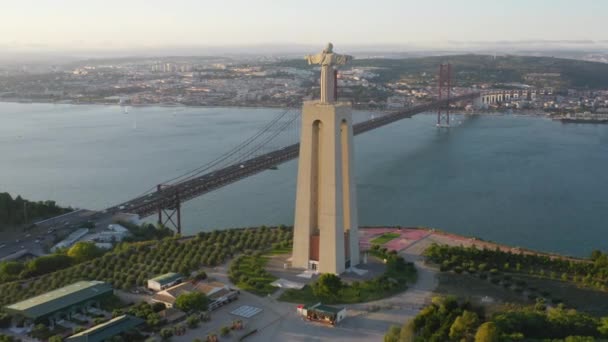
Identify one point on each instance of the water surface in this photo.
(524, 181)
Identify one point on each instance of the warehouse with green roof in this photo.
(61, 303)
(104, 331)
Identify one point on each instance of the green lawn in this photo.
(384, 238)
(280, 250)
(302, 296)
(394, 280)
(248, 273)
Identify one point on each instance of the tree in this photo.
(166, 333)
(11, 267)
(327, 286)
(393, 334)
(7, 338)
(192, 301)
(47, 264)
(595, 254)
(408, 332)
(201, 275)
(464, 326)
(56, 338)
(603, 326)
(40, 331)
(158, 306)
(225, 331)
(487, 332)
(192, 321)
(84, 251)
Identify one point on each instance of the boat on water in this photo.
(581, 120)
(593, 118)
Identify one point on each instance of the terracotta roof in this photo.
(165, 298)
(209, 289)
(219, 294)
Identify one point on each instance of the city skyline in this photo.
(113, 25)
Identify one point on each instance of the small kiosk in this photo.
(322, 313)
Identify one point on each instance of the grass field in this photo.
(397, 276)
(384, 238)
(280, 250)
(471, 286)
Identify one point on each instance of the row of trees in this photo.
(448, 319)
(590, 272)
(7, 338)
(81, 252)
(18, 270)
(146, 231)
(132, 264)
(19, 211)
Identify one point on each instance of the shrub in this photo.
(192, 321)
(166, 333)
(5, 320)
(225, 330)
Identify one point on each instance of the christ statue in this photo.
(327, 59)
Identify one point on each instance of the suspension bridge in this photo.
(254, 155)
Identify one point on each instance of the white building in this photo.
(164, 281)
(71, 239)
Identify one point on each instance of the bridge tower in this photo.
(326, 237)
(169, 213)
(444, 88)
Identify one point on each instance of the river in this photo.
(523, 181)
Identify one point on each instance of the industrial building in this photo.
(61, 303)
(104, 331)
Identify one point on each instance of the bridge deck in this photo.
(191, 188)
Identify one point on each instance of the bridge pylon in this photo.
(444, 88)
(169, 213)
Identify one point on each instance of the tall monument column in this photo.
(326, 236)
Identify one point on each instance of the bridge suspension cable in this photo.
(225, 158)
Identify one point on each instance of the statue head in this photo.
(329, 48)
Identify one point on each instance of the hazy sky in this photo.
(140, 23)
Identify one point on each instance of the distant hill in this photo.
(468, 69)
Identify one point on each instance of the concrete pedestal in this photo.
(326, 201)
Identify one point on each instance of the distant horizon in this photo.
(34, 53)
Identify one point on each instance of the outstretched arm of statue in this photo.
(343, 59)
(314, 59)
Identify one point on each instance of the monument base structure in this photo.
(326, 237)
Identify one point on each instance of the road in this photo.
(38, 239)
